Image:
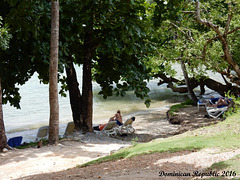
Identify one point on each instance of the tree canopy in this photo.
(118, 43)
(203, 45)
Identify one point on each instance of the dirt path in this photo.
(34, 163)
(146, 167)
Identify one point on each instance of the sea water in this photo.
(34, 111)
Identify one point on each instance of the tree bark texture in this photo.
(87, 107)
(3, 138)
(190, 90)
(75, 97)
(53, 74)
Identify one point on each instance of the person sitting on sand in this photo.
(117, 117)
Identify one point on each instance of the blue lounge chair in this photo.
(15, 141)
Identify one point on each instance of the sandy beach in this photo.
(70, 153)
(33, 163)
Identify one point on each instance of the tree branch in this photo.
(189, 12)
(232, 31)
(205, 47)
(210, 83)
(230, 15)
(211, 40)
(189, 37)
(205, 22)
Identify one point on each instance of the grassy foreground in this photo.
(224, 136)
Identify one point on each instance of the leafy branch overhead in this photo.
(132, 42)
(204, 37)
(223, 36)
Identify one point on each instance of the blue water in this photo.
(34, 111)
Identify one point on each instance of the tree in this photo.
(111, 44)
(183, 39)
(28, 50)
(174, 45)
(53, 74)
(4, 41)
(232, 9)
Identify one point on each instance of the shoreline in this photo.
(29, 135)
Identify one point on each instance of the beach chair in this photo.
(213, 101)
(215, 112)
(69, 129)
(15, 141)
(201, 103)
(127, 128)
(42, 133)
(110, 129)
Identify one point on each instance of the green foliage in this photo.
(119, 63)
(4, 36)
(176, 38)
(217, 12)
(119, 38)
(32, 144)
(166, 9)
(235, 41)
(20, 59)
(179, 35)
(234, 106)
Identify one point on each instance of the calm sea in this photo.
(34, 111)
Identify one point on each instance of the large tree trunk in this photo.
(53, 75)
(210, 83)
(218, 87)
(190, 90)
(170, 81)
(87, 107)
(75, 97)
(3, 138)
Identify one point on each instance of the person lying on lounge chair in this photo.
(99, 127)
(220, 102)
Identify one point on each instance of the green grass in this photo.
(176, 107)
(234, 162)
(33, 144)
(231, 166)
(224, 136)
